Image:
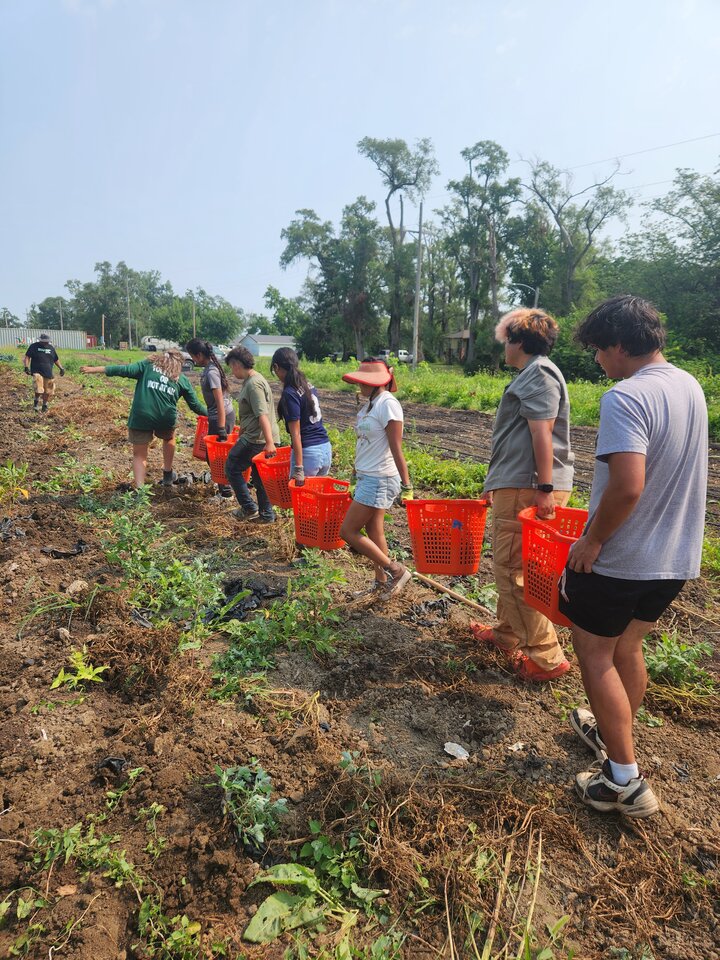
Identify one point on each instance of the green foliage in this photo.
(12, 482)
(711, 557)
(84, 672)
(247, 802)
(674, 662)
(115, 796)
(339, 867)
(71, 475)
(80, 845)
(171, 938)
(156, 844)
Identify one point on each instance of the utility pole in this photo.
(61, 316)
(127, 296)
(194, 330)
(102, 331)
(416, 317)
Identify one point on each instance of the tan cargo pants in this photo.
(520, 627)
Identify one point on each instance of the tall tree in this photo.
(578, 216)
(406, 173)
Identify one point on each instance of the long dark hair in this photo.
(287, 360)
(205, 349)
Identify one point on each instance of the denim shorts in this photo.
(317, 460)
(377, 492)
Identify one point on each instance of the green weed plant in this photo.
(673, 662)
(247, 802)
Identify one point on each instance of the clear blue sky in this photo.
(181, 135)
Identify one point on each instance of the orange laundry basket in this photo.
(218, 454)
(446, 535)
(200, 433)
(319, 508)
(275, 476)
(545, 548)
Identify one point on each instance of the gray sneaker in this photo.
(585, 726)
(597, 789)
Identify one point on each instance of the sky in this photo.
(182, 135)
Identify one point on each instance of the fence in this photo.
(62, 339)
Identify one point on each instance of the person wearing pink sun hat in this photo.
(382, 472)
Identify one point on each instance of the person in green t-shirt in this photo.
(160, 384)
(256, 415)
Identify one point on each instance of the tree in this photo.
(216, 320)
(476, 221)
(533, 254)
(46, 314)
(289, 316)
(578, 216)
(405, 173)
(8, 318)
(349, 287)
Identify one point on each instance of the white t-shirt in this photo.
(660, 412)
(372, 450)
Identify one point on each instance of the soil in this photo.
(406, 677)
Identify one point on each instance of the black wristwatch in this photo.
(545, 487)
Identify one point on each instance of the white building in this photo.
(261, 345)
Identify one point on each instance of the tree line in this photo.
(498, 240)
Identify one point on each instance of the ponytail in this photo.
(205, 349)
(287, 360)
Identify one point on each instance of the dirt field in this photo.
(482, 844)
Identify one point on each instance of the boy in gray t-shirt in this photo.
(642, 541)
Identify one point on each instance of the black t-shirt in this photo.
(42, 357)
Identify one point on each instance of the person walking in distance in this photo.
(531, 464)
(39, 359)
(642, 541)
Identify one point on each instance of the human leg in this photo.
(140, 453)
(357, 518)
(168, 453)
(375, 529)
(238, 460)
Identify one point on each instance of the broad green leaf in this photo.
(366, 894)
(280, 912)
(289, 874)
(24, 908)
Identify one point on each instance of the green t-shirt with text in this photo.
(154, 405)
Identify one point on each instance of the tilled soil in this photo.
(405, 678)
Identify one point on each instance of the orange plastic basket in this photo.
(218, 454)
(446, 535)
(200, 433)
(545, 548)
(275, 476)
(319, 508)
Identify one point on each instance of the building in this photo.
(456, 346)
(261, 345)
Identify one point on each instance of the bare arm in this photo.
(295, 441)
(92, 369)
(394, 431)
(219, 406)
(266, 427)
(541, 435)
(624, 489)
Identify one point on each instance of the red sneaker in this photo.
(527, 669)
(486, 634)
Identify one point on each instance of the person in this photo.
(531, 464)
(382, 473)
(299, 407)
(160, 384)
(39, 360)
(642, 540)
(214, 387)
(259, 432)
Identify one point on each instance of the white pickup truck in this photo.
(402, 355)
(156, 343)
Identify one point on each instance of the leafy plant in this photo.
(115, 796)
(156, 844)
(338, 867)
(84, 673)
(12, 482)
(674, 662)
(171, 938)
(247, 803)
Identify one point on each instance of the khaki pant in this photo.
(43, 384)
(520, 627)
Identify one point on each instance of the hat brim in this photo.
(368, 379)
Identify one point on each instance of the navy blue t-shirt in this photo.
(312, 431)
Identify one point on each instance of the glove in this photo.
(298, 475)
(406, 492)
(222, 434)
(27, 371)
(62, 371)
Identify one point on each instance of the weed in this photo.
(71, 475)
(81, 845)
(675, 663)
(156, 844)
(711, 557)
(38, 434)
(247, 803)
(12, 482)
(84, 673)
(176, 938)
(115, 796)
(649, 719)
(338, 867)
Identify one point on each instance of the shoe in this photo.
(486, 634)
(44, 408)
(168, 478)
(597, 789)
(379, 586)
(527, 669)
(396, 585)
(585, 726)
(260, 518)
(242, 514)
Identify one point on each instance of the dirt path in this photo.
(403, 678)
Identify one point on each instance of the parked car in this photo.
(402, 355)
(157, 343)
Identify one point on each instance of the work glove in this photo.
(27, 371)
(298, 475)
(62, 371)
(406, 492)
(222, 434)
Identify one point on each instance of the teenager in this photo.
(39, 360)
(215, 391)
(382, 473)
(299, 407)
(160, 384)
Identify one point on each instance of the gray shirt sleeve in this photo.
(623, 426)
(539, 395)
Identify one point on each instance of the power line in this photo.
(664, 146)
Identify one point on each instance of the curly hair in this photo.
(535, 330)
(169, 364)
(241, 355)
(629, 321)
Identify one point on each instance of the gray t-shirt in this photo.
(660, 411)
(538, 392)
(210, 380)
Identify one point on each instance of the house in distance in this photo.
(261, 345)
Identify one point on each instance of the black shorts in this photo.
(606, 605)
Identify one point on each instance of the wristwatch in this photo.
(545, 487)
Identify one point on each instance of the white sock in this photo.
(623, 773)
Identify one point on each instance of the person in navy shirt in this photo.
(299, 407)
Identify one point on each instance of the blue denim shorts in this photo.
(377, 492)
(317, 460)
